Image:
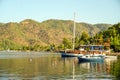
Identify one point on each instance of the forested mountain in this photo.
(113, 33)
(29, 33)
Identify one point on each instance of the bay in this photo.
(50, 66)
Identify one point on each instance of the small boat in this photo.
(95, 54)
(91, 58)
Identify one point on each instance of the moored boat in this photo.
(70, 54)
(91, 58)
(94, 54)
(73, 52)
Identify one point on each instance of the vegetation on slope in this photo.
(33, 35)
(109, 37)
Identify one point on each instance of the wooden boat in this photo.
(70, 53)
(93, 49)
(73, 52)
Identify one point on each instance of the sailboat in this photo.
(73, 52)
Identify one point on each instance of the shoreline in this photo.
(117, 55)
(114, 54)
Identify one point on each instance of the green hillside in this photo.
(30, 34)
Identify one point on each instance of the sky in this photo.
(89, 11)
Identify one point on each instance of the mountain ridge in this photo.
(52, 31)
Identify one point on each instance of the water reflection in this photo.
(115, 69)
(51, 67)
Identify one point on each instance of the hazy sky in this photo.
(90, 11)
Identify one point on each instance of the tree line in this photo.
(111, 36)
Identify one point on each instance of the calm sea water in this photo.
(49, 66)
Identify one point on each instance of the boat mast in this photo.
(74, 33)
